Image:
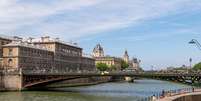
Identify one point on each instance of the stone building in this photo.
(27, 56)
(87, 64)
(65, 55)
(3, 41)
(46, 53)
(134, 64)
(98, 54)
(126, 57)
(98, 51)
(110, 61)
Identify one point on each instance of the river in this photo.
(121, 91)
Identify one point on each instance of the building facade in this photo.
(98, 54)
(112, 62)
(66, 56)
(126, 57)
(46, 54)
(26, 56)
(98, 51)
(3, 41)
(134, 64)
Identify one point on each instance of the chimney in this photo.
(45, 39)
(57, 39)
(17, 39)
(30, 39)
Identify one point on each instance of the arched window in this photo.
(10, 62)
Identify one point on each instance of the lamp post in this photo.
(194, 41)
(190, 65)
(190, 61)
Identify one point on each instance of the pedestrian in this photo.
(193, 89)
(154, 98)
(163, 93)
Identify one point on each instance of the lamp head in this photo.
(192, 41)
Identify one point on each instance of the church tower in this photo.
(98, 51)
(126, 56)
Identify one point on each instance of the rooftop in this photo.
(98, 48)
(107, 57)
(87, 55)
(47, 39)
(25, 44)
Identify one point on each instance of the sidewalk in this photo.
(175, 96)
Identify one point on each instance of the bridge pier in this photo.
(12, 82)
(129, 79)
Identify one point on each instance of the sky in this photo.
(155, 31)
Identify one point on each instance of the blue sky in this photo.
(156, 31)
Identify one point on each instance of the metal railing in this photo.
(66, 71)
(170, 93)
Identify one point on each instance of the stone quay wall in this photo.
(189, 98)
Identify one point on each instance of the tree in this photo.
(124, 65)
(197, 66)
(113, 68)
(101, 66)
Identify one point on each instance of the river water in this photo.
(121, 91)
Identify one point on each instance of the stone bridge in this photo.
(21, 79)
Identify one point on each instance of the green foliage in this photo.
(140, 69)
(113, 68)
(124, 65)
(197, 66)
(101, 66)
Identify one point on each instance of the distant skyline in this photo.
(155, 31)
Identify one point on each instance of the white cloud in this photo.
(15, 14)
(77, 18)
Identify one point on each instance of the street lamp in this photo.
(194, 41)
(190, 61)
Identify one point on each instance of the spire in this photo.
(126, 52)
(126, 56)
(98, 51)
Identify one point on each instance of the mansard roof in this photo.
(98, 48)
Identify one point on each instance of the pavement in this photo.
(172, 98)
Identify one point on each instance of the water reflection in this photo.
(102, 92)
(142, 88)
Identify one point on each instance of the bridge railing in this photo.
(82, 72)
(55, 72)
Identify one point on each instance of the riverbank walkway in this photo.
(175, 94)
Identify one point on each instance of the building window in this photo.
(10, 52)
(10, 62)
